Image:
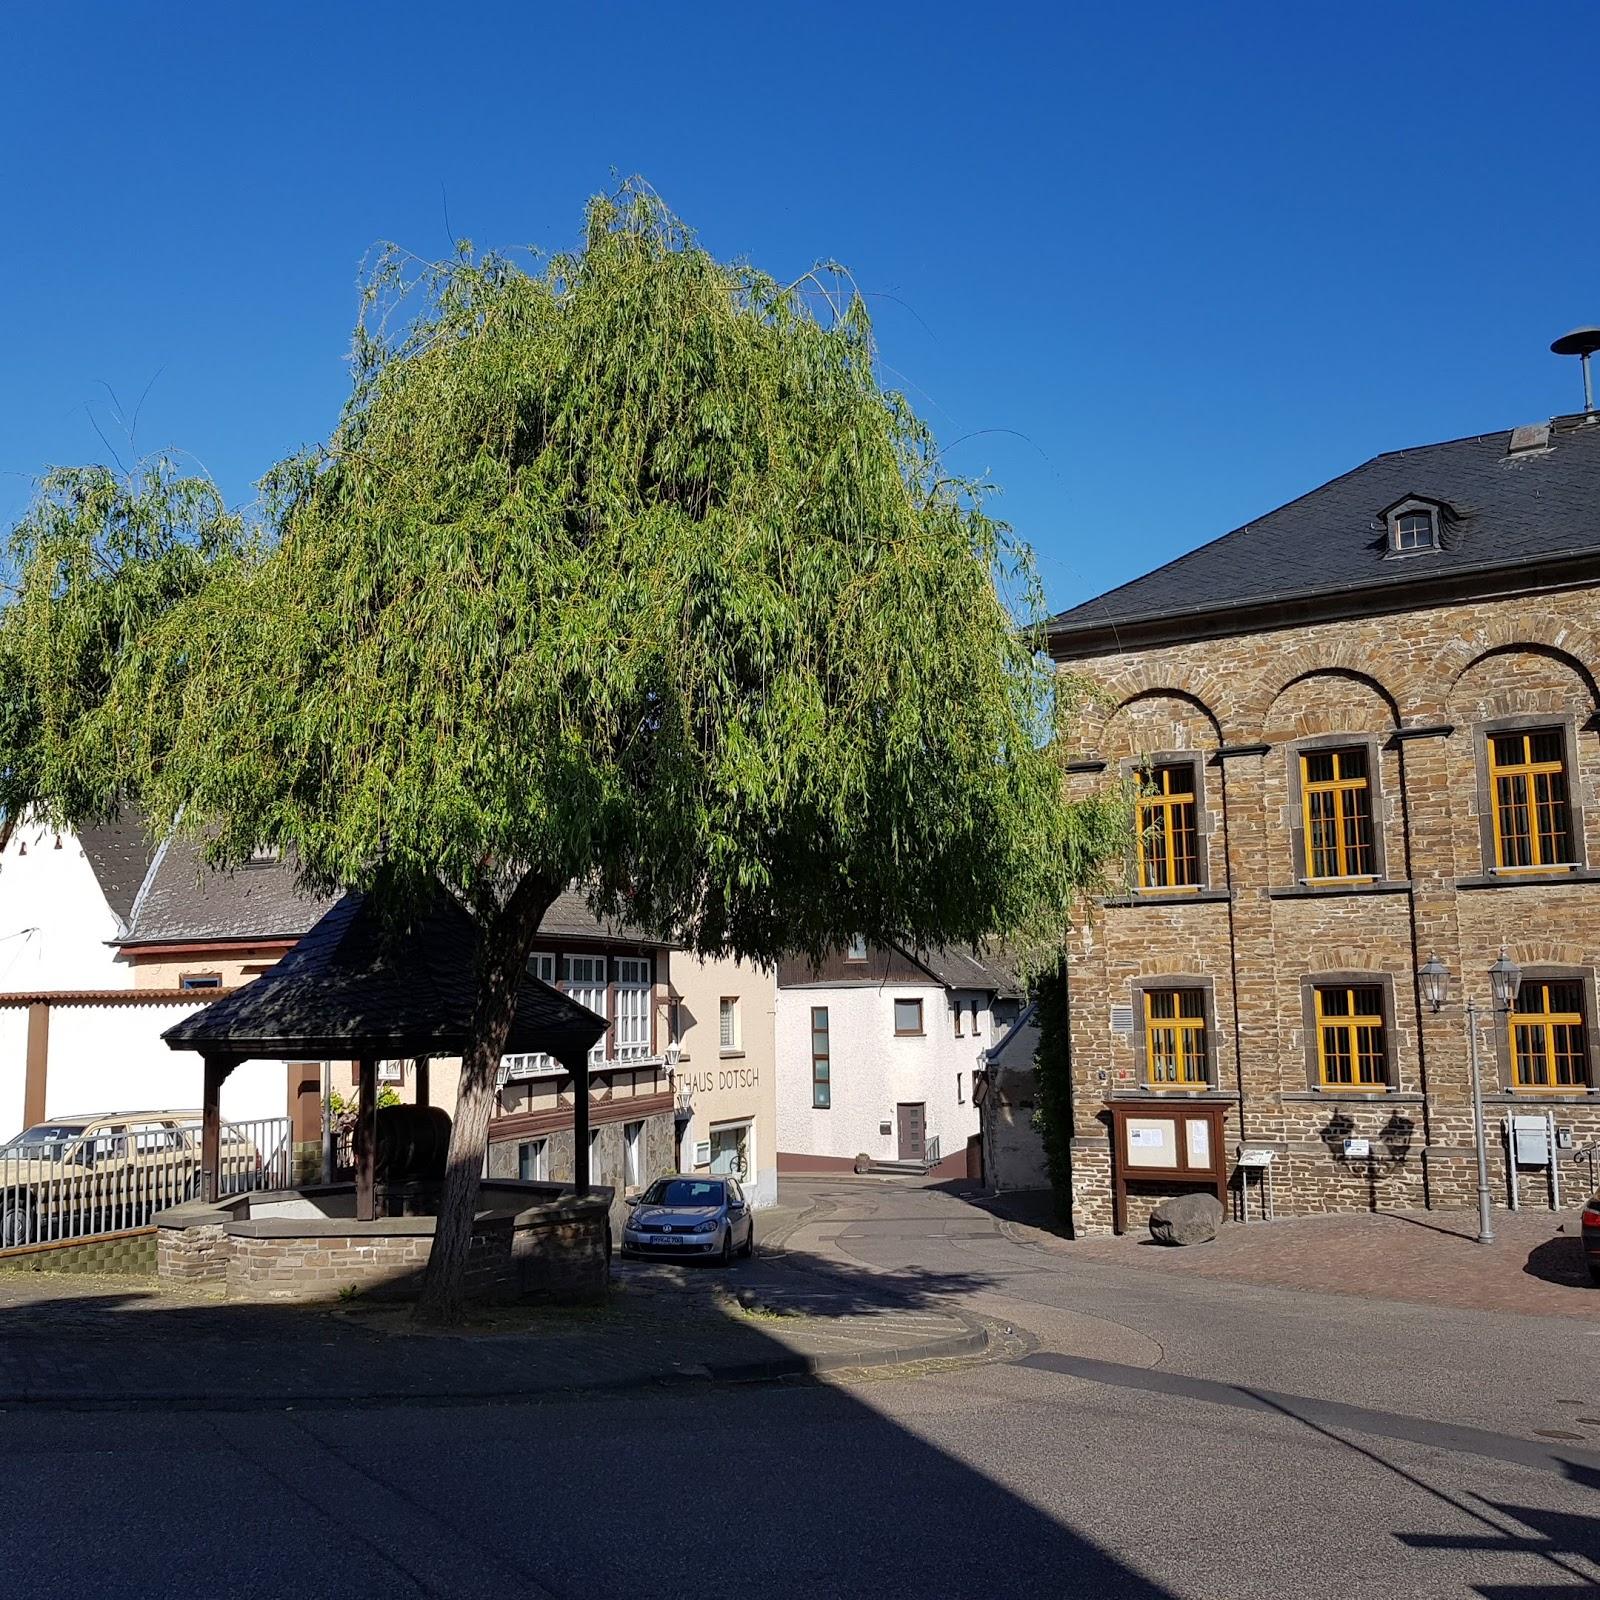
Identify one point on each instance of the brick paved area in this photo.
(1535, 1266)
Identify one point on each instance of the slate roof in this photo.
(119, 853)
(1505, 510)
(185, 901)
(353, 987)
(962, 969)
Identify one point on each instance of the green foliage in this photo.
(1052, 1066)
(627, 570)
(343, 1110)
(97, 559)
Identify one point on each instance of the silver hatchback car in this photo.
(690, 1216)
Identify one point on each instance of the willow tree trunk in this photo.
(506, 946)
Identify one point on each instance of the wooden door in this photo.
(911, 1126)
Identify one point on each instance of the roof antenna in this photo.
(1582, 343)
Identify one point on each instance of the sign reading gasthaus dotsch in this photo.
(1180, 1142)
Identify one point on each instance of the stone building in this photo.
(1363, 731)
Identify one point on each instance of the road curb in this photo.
(973, 1340)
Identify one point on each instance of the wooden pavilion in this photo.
(358, 988)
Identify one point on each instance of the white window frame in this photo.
(857, 948)
(587, 992)
(634, 993)
(542, 965)
(632, 1154)
(391, 1072)
(744, 1126)
(728, 1024)
(541, 1160)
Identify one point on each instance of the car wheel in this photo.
(726, 1258)
(14, 1225)
(749, 1242)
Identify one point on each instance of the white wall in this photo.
(871, 1070)
(54, 921)
(112, 1058)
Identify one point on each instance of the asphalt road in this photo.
(1193, 1443)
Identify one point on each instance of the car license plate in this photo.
(663, 1238)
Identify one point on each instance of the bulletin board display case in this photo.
(1180, 1143)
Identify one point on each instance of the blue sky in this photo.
(1157, 268)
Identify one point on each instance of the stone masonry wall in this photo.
(1419, 690)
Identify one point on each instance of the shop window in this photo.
(1175, 1047)
(1352, 1040)
(1529, 800)
(1549, 1036)
(1166, 818)
(1336, 805)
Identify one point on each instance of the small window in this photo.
(264, 855)
(1352, 1047)
(391, 1072)
(1415, 530)
(1528, 790)
(595, 1169)
(728, 1023)
(960, 1084)
(821, 1060)
(1549, 1048)
(632, 1153)
(1336, 799)
(857, 950)
(542, 966)
(532, 1164)
(959, 1010)
(200, 980)
(1175, 1039)
(907, 1017)
(1169, 843)
(674, 1020)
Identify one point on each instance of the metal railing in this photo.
(79, 1184)
(930, 1151)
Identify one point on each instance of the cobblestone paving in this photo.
(121, 1341)
(1535, 1265)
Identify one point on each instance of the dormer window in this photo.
(1415, 530)
(1413, 526)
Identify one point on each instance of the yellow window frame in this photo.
(1345, 1043)
(1546, 1022)
(1163, 815)
(1343, 791)
(1188, 1053)
(1527, 773)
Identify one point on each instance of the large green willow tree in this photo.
(625, 572)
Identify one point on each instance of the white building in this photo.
(877, 1054)
(83, 1004)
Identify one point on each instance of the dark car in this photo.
(1591, 1236)
(690, 1216)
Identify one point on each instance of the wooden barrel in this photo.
(412, 1144)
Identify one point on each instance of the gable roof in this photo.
(1531, 515)
(354, 987)
(119, 854)
(946, 965)
(183, 901)
(967, 969)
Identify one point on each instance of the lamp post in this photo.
(1505, 978)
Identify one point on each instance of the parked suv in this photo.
(98, 1174)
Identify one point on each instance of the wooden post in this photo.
(37, 1070)
(578, 1066)
(217, 1069)
(422, 1064)
(367, 1142)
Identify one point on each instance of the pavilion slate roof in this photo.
(355, 987)
(1505, 508)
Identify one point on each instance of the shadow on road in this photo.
(810, 1489)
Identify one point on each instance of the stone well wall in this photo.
(529, 1241)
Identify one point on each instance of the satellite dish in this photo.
(1582, 343)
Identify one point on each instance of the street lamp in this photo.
(1505, 978)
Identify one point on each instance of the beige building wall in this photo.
(237, 966)
(730, 1092)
